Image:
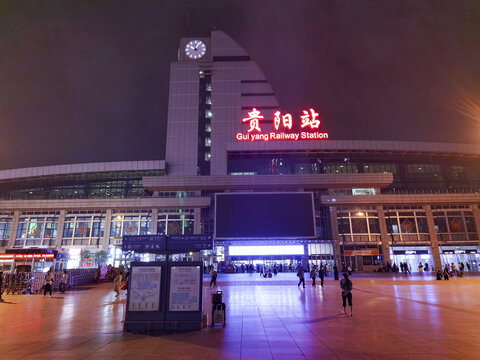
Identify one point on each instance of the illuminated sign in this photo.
(255, 250)
(26, 256)
(282, 124)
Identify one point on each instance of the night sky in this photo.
(86, 81)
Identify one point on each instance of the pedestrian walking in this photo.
(301, 276)
(48, 284)
(346, 286)
(313, 274)
(1, 286)
(335, 272)
(321, 275)
(117, 284)
(63, 281)
(213, 279)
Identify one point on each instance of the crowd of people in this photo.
(447, 272)
(452, 271)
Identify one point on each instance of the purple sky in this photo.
(84, 81)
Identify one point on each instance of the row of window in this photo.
(363, 225)
(35, 230)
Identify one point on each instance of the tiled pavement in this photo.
(414, 318)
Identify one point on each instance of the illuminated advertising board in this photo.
(283, 127)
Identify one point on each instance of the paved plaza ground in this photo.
(394, 318)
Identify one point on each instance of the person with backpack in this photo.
(301, 276)
(346, 286)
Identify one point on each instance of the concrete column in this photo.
(13, 234)
(437, 261)
(154, 215)
(106, 234)
(60, 226)
(336, 243)
(384, 235)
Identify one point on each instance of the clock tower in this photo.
(212, 85)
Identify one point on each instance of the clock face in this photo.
(195, 49)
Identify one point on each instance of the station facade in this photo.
(373, 201)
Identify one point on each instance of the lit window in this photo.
(208, 156)
(208, 87)
(209, 100)
(208, 128)
(208, 114)
(208, 141)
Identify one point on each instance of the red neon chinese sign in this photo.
(254, 120)
(282, 126)
(26, 256)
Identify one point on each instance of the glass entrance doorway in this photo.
(413, 256)
(460, 254)
(243, 264)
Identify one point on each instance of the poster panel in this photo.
(144, 291)
(184, 288)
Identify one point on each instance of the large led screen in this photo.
(264, 215)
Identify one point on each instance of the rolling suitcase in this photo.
(218, 314)
(217, 297)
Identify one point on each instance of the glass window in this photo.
(455, 224)
(82, 229)
(35, 230)
(440, 225)
(51, 230)
(392, 225)
(359, 225)
(470, 222)
(343, 226)
(422, 225)
(130, 228)
(145, 227)
(68, 229)
(98, 229)
(188, 227)
(22, 230)
(116, 229)
(161, 227)
(374, 225)
(5, 229)
(407, 225)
